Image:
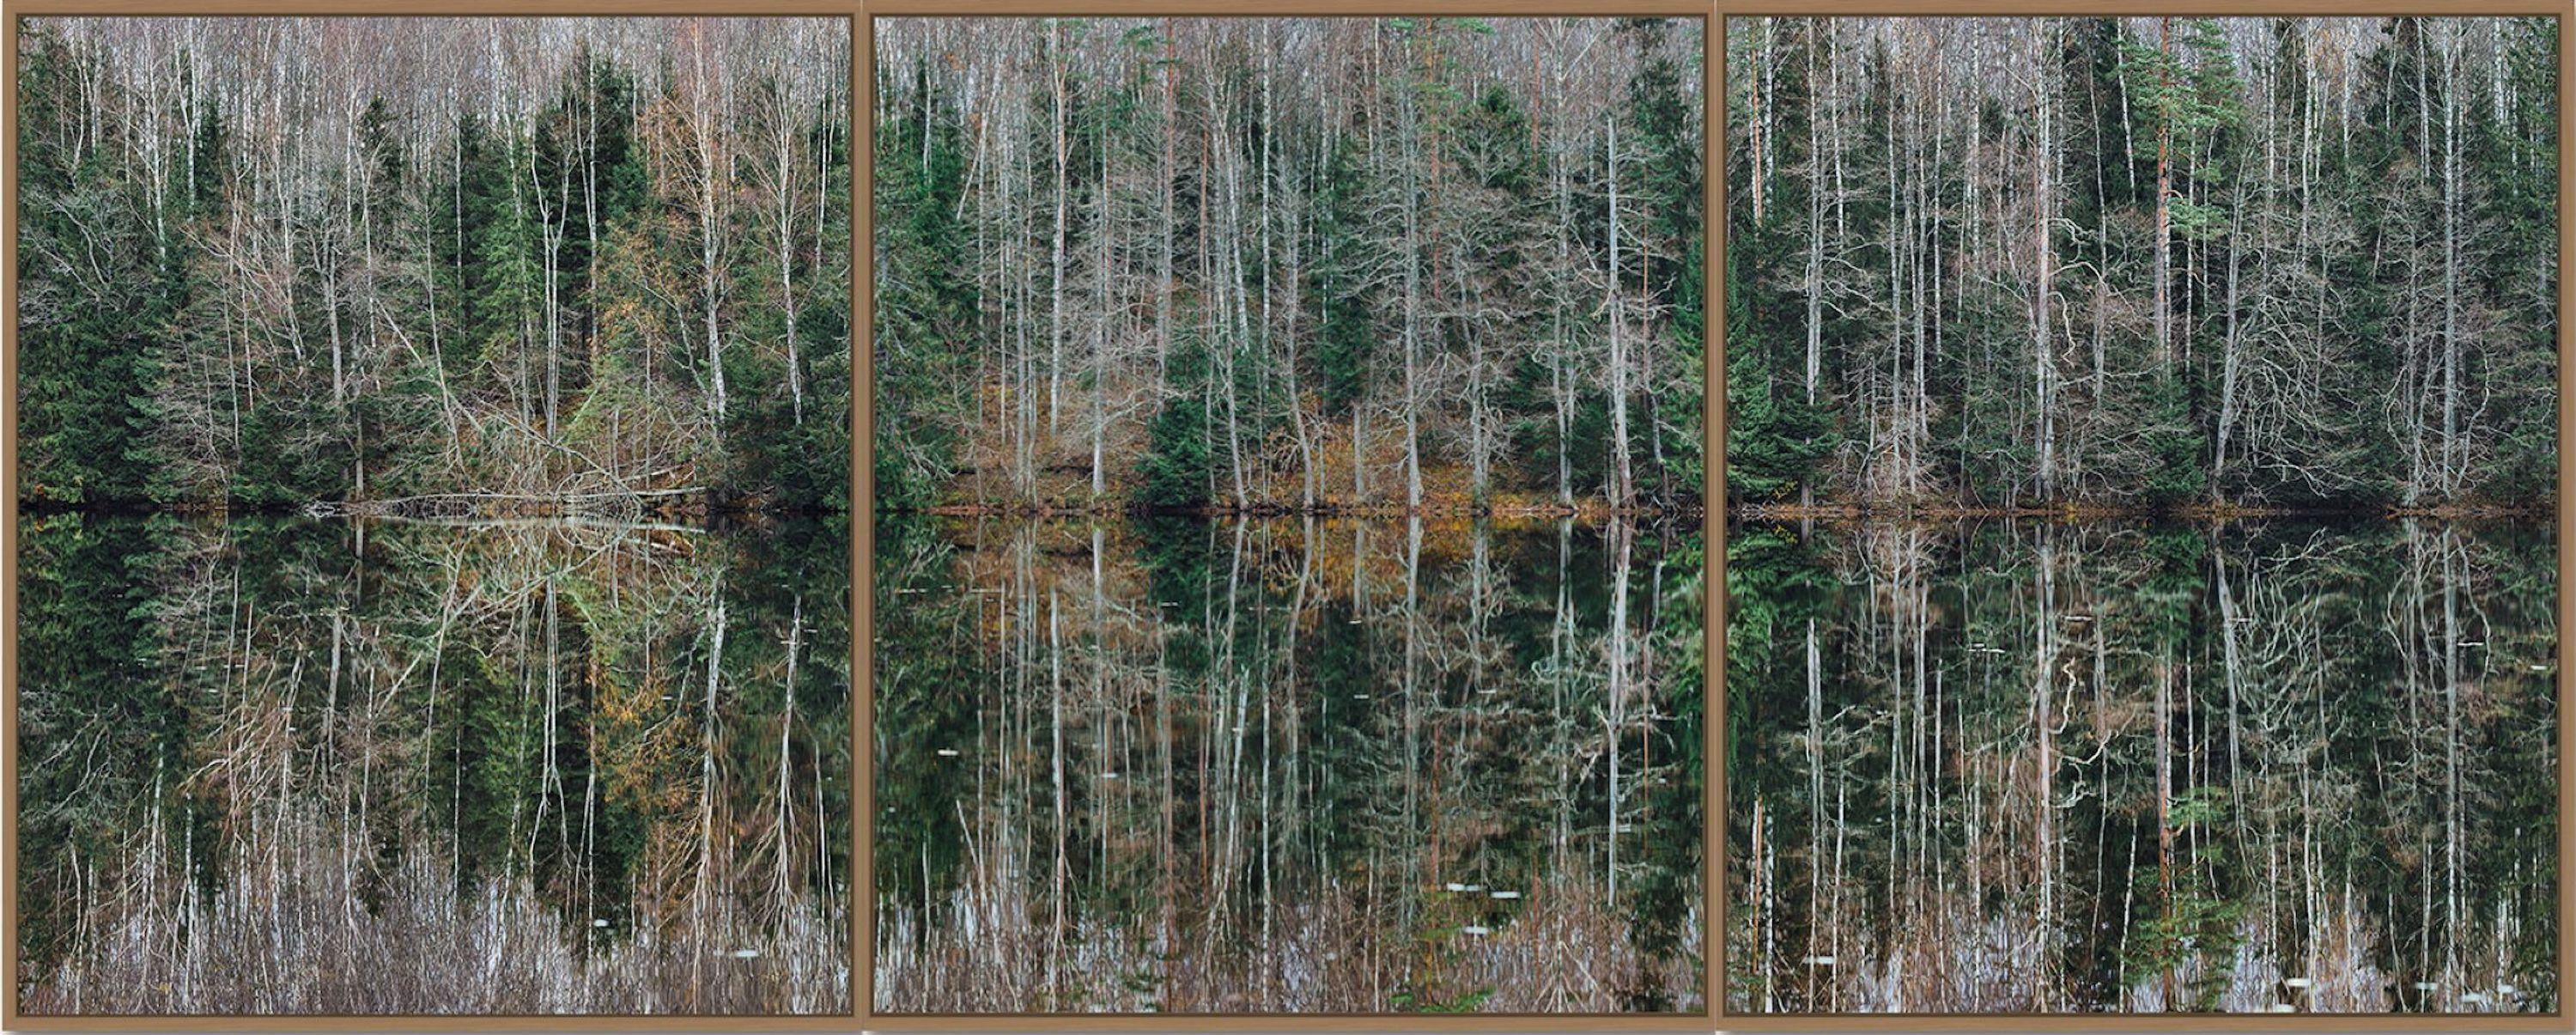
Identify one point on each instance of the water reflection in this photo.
(1287, 765)
(2035, 768)
(287, 766)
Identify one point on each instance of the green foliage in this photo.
(1179, 462)
(2339, 278)
(422, 311)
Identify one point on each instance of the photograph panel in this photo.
(433, 538)
(1288, 552)
(2141, 478)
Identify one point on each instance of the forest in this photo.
(2145, 263)
(1362, 265)
(593, 265)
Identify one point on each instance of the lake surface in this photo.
(277, 765)
(1261, 766)
(2034, 767)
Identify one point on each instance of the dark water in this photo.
(287, 766)
(1263, 766)
(2034, 767)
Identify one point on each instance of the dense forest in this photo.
(1384, 264)
(2006, 263)
(1289, 765)
(2025, 766)
(597, 264)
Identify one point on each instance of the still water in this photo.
(1260, 766)
(2033, 767)
(277, 765)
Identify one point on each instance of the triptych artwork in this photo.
(1578, 518)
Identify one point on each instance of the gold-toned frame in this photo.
(861, 14)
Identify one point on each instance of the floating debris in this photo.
(1506, 894)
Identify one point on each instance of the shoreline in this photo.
(2197, 513)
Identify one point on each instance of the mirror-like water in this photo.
(558, 767)
(2028, 767)
(1287, 765)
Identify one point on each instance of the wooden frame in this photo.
(862, 60)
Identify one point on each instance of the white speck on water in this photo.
(1507, 894)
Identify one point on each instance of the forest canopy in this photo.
(1288, 264)
(269, 261)
(2146, 262)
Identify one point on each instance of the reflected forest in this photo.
(2141, 563)
(1288, 563)
(433, 462)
